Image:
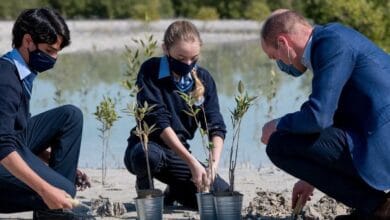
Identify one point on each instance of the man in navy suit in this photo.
(339, 141)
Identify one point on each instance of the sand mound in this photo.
(273, 205)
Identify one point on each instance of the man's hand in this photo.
(268, 129)
(301, 190)
(82, 180)
(56, 198)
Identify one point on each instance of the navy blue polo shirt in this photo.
(14, 101)
(158, 88)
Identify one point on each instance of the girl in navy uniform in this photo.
(161, 79)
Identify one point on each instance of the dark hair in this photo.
(43, 24)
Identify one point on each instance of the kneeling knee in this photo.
(73, 113)
(273, 149)
(135, 160)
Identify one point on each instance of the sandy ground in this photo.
(120, 188)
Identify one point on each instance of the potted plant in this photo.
(205, 197)
(229, 204)
(149, 203)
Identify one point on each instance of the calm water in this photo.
(82, 79)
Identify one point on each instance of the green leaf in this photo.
(241, 87)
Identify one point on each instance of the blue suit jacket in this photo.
(351, 91)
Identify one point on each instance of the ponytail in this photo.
(198, 92)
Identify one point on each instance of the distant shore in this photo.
(98, 35)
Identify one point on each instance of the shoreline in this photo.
(100, 35)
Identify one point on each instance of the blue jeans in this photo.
(167, 167)
(324, 161)
(60, 129)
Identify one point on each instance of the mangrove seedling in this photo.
(243, 102)
(107, 115)
(134, 57)
(142, 130)
(194, 110)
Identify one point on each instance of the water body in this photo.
(82, 79)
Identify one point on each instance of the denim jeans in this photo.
(167, 167)
(60, 129)
(324, 161)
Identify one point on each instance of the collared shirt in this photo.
(164, 68)
(20, 64)
(306, 54)
(25, 74)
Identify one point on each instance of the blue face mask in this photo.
(289, 69)
(40, 61)
(180, 68)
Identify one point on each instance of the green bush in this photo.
(146, 10)
(166, 9)
(207, 13)
(11, 9)
(185, 8)
(296, 5)
(257, 10)
(363, 15)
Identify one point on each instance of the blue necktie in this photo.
(184, 83)
(28, 83)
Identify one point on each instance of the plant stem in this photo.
(145, 145)
(234, 151)
(210, 150)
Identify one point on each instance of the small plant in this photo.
(134, 57)
(243, 102)
(142, 130)
(193, 111)
(106, 114)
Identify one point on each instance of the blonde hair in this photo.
(281, 21)
(183, 30)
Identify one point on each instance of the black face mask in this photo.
(40, 61)
(180, 68)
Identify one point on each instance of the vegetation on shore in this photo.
(370, 17)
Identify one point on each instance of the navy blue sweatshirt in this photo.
(14, 108)
(158, 88)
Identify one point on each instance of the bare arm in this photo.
(197, 170)
(52, 196)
